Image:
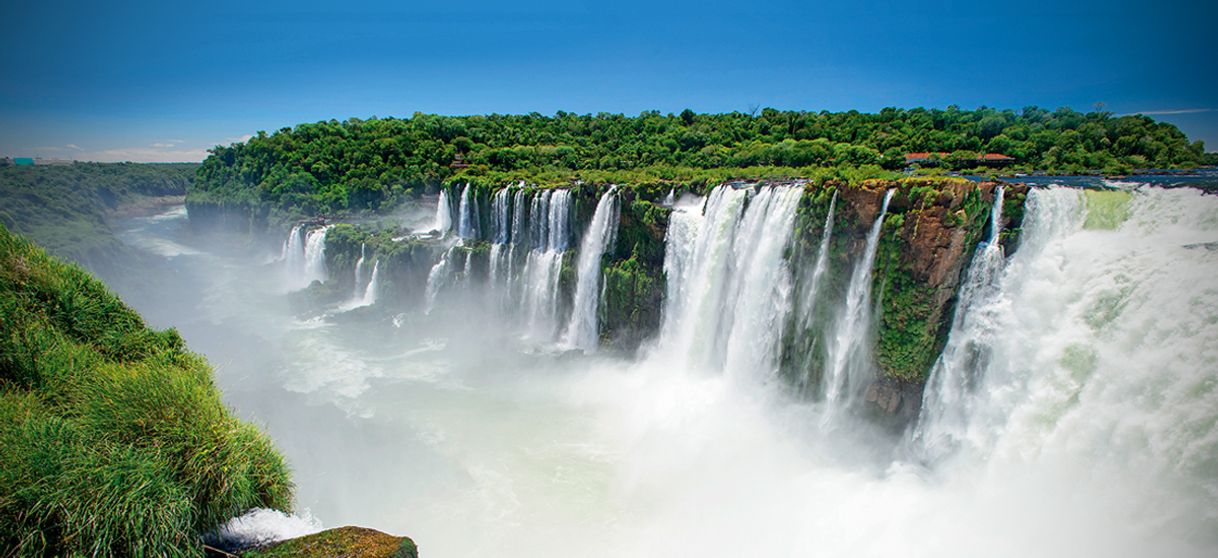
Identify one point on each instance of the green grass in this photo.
(113, 438)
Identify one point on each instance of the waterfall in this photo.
(304, 257)
(444, 215)
(467, 212)
(728, 279)
(359, 272)
(501, 223)
(581, 328)
(436, 279)
(763, 282)
(811, 287)
(549, 220)
(849, 358)
(947, 395)
(370, 291)
(1101, 347)
(293, 248)
(670, 198)
(315, 255)
(517, 236)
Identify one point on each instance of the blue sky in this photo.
(164, 81)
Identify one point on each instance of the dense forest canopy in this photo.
(362, 164)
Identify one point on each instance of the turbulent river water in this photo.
(1075, 412)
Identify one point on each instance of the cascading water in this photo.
(501, 224)
(437, 279)
(315, 256)
(581, 328)
(761, 289)
(849, 357)
(292, 255)
(304, 257)
(467, 212)
(370, 291)
(1099, 348)
(947, 396)
(358, 290)
(550, 220)
(728, 279)
(444, 215)
(811, 287)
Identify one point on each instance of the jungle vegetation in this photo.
(358, 165)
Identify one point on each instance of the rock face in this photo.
(348, 542)
(929, 234)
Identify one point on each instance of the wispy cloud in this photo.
(158, 151)
(1163, 112)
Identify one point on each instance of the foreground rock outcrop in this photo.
(347, 542)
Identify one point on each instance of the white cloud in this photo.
(144, 155)
(159, 151)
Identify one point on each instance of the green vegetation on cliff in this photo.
(66, 208)
(358, 165)
(113, 438)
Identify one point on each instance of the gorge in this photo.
(894, 357)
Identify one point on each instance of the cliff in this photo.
(930, 231)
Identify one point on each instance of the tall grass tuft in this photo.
(113, 438)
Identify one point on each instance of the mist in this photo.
(473, 424)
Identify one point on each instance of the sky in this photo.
(165, 81)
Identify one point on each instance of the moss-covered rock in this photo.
(347, 542)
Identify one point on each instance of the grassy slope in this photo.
(113, 438)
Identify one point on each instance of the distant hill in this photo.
(67, 208)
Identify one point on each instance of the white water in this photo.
(303, 257)
(438, 277)
(849, 360)
(444, 215)
(501, 235)
(947, 398)
(811, 287)
(292, 255)
(582, 326)
(315, 256)
(728, 282)
(368, 296)
(358, 289)
(550, 233)
(1092, 432)
(467, 215)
